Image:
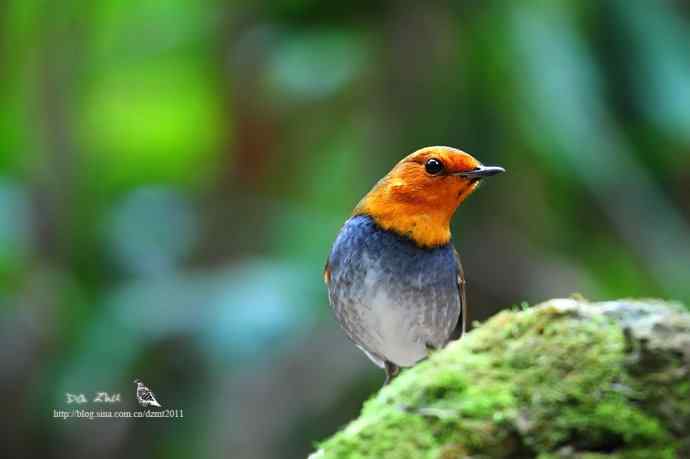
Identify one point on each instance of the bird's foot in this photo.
(430, 348)
(392, 370)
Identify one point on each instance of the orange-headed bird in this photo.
(394, 279)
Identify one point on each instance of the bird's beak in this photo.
(481, 172)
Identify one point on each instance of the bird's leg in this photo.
(430, 348)
(392, 370)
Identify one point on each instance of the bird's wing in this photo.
(460, 327)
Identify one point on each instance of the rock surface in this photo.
(564, 379)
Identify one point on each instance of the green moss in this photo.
(564, 379)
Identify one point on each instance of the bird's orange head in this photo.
(418, 198)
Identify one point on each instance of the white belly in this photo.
(395, 332)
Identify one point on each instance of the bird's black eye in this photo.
(433, 166)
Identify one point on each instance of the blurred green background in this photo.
(172, 174)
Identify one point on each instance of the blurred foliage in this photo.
(172, 175)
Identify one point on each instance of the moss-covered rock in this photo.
(565, 379)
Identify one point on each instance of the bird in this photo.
(145, 396)
(394, 279)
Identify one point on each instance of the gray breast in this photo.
(392, 298)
